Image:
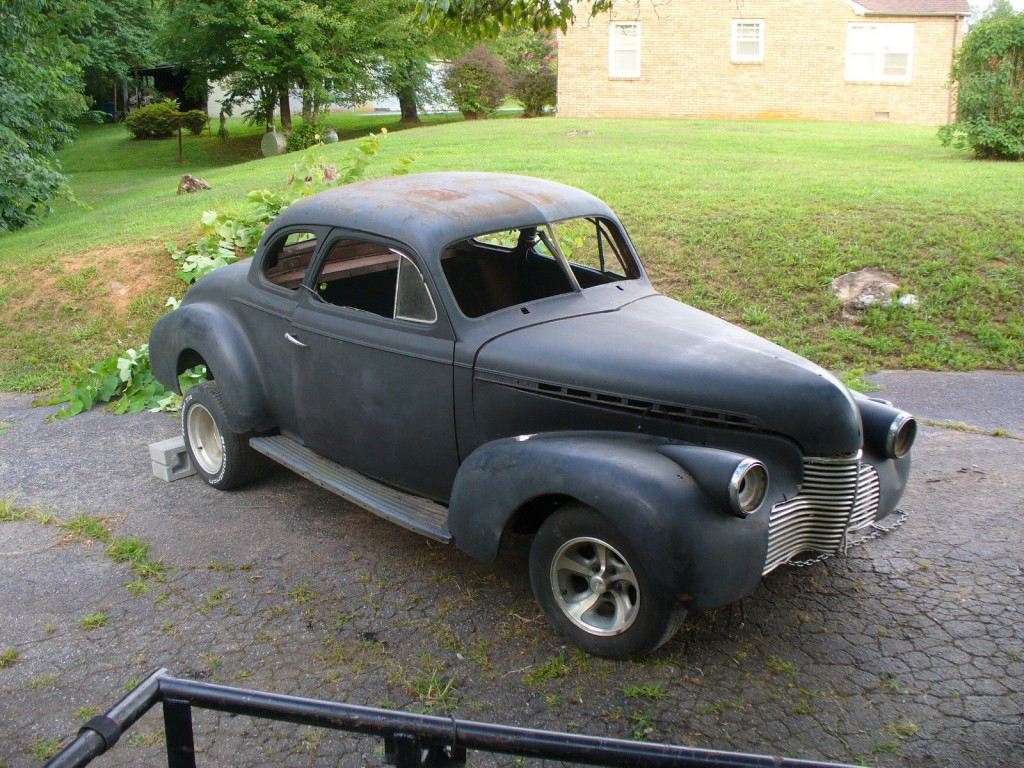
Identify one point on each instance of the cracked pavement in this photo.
(909, 651)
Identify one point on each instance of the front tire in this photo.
(221, 457)
(593, 588)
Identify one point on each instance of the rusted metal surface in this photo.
(430, 210)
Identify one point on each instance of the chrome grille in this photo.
(865, 508)
(837, 495)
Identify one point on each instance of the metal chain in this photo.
(877, 531)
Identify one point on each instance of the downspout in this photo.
(957, 20)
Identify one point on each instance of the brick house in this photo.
(773, 59)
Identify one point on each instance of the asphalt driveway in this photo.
(908, 651)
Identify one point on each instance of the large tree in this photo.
(486, 18)
(118, 36)
(267, 48)
(999, 9)
(40, 99)
(406, 48)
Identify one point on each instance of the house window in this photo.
(879, 53)
(747, 41)
(624, 49)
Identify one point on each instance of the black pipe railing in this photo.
(410, 740)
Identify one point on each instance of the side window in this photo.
(374, 278)
(288, 259)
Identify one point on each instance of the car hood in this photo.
(658, 350)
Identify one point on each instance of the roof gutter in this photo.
(860, 10)
(905, 14)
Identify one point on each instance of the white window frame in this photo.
(622, 74)
(746, 58)
(884, 33)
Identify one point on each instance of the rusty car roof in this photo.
(430, 210)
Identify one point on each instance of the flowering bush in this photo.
(535, 91)
(477, 82)
(531, 59)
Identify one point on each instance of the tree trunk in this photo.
(286, 109)
(307, 104)
(407, 103)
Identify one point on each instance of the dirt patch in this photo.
(70, 311)
(123, 273)
(100, 281)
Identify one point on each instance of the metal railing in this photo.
(410, 740)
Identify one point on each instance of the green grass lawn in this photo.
(747, 220)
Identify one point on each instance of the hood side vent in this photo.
(641, 408)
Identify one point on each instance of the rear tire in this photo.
(221, 457)
(593, 588)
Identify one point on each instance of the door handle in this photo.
(295, 341)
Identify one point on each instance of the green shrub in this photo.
(195, 121)
(154, 121)
(477, 82)
(989, 72)
(303, 136)
(28, 182)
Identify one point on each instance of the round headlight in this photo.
(748, 486)
(902, 433)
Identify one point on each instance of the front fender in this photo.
(690, 546)
(220, 341)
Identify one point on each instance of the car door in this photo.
(276, 276)
(372, 372)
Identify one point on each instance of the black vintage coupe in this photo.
(470, 354)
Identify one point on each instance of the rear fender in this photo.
(218, 339)
(687, 542)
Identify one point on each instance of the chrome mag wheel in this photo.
(594, 586)
(205, 439)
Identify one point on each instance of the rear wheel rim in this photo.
(204, 439)
(594, 586)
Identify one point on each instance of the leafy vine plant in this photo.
(125, 379)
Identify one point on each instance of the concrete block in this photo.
(170, 459)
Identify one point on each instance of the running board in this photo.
(417, 514)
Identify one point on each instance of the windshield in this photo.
(496, 270)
